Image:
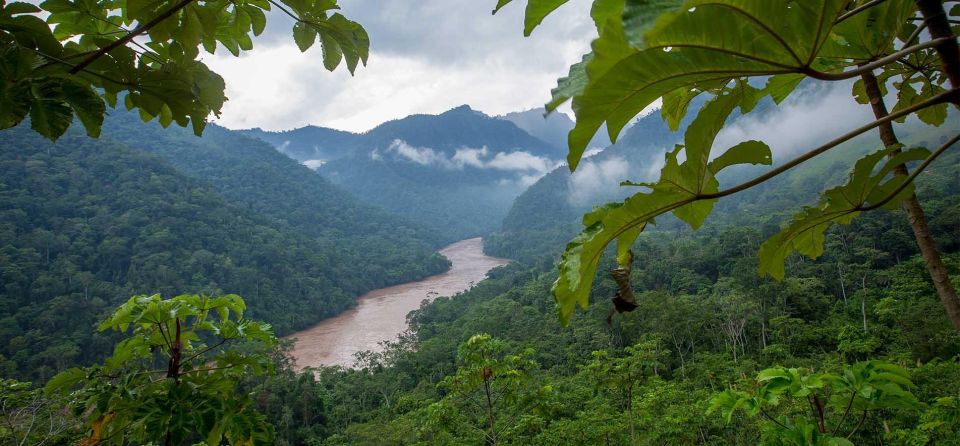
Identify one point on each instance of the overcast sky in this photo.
(426, 56)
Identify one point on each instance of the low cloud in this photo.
(811, 116)
(595, 181)
(421, 155)
(517, 161)
(470, 157)
(521, 161)
(314, 164)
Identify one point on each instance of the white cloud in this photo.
(421, 155)
(810, 117)
(521, 161)
(523, 168)
(470, 157)
(314, 164)
(426, 57)
(594, 181)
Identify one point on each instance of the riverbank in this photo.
(381, 315)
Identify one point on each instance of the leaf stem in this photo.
(859, 424)
(858, 10)
(824, 76)
(942, 97)
(853, 396)
(764, 412)
(913, 175)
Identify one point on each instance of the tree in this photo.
(488, 379)
(28, 417)
(650, 50)
(820, 417)
(175, 378)
(145, 54)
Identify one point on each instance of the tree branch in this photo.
(913, 175)
(940, 98)
(858, 10)
(939, 25)
(824, 76)
(130, 36)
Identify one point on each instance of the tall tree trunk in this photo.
(843, 287)
(863, 302)
(938, 24)
(915, 215)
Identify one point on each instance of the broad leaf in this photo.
(868, 185)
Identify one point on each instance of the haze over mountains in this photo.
(457, 172)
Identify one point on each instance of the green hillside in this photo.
(87, 223)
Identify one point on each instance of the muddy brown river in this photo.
(381, 315)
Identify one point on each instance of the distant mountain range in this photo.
(548, 214)
(552, 128)
(457, 172)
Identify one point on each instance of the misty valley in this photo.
(346, 222)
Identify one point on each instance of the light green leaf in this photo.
(747, 152)
(867, 185)
(758, 39)
(781, 85)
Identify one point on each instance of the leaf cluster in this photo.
(176, 375)
(858, 389)
(86, 54)
(675, 52)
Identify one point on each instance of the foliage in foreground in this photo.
(675, 52)
(65, 59)
(175, 378)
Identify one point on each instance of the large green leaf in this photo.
(868, 185)
(86, 104)
(871, 33)
(679, 190)
(703, 41)
(50, 116)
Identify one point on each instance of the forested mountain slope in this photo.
(88, 223)
(549, 213)
(310, 145)
(552, 128)
(705, 322)
(457, 172)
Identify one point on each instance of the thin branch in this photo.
(859, 424)
(916, 32)
(285, 10)
(858, 10)
(165, 339)
(211, 369)
(853, 396)
(121, 29)
(772, 418)
(940, 98)
(222, 341)
(130, 36)
(824, 76)
(913, 175)
(92, 73)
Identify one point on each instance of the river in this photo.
(381, 315)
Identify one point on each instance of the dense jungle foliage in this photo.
(88, 223)
(834, 323)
